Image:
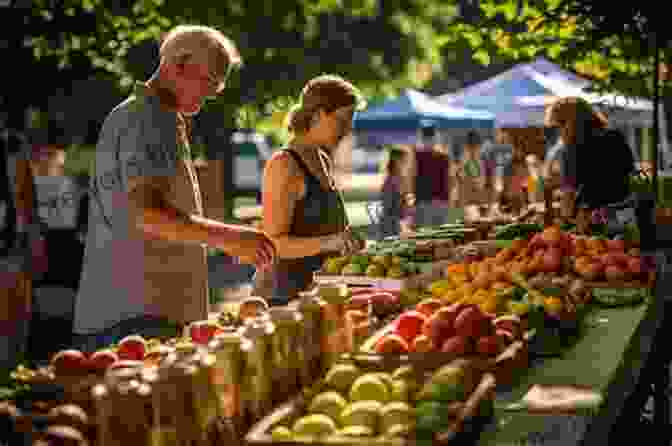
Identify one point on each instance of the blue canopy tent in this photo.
(517, 97)
(397, 121)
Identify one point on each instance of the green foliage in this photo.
(605, 41)
(381, 46)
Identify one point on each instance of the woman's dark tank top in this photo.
(319, 213)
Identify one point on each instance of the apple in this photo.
(552, 260)
(68, 361)
(458, 346)
(202, 332)
(392, 343)
(537, 242)
(635, 265)
(429, 306)
(102, 359)
(472, 323)
(409, 325)
(132, 348)
(616, 245)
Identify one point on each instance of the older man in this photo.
(145, 265)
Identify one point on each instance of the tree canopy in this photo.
(382, 46)
(609, 42)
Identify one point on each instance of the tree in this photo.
(620, 46)
(382, 46)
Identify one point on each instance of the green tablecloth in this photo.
(608, 357)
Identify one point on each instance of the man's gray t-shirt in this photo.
(138, 138)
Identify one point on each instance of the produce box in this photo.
(420, 404)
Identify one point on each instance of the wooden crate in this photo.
(479, 384)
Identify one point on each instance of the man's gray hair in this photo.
(202, 43)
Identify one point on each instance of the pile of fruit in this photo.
(351, 402)
(552, 269)
(354, 403)
(457, 330)
(392, 259)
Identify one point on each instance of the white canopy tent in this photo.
(517, 97)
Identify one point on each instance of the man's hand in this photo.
(251, 246)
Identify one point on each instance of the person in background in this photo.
(145, 268)
(431, 182)
(588, 142)
(470, 176)
(507, 172)
(392, 193)
(58, 200)
(303, 211)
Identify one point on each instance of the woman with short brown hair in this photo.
(303, 211)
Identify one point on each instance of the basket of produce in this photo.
(377, 402)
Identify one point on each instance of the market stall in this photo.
(480, 346)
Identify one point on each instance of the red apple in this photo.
(537, 242)
(132, 348)
(635, 265)
(69, 361)
(392, 343)
(458, 346)
(201, 332)
(102, 359)
(616, 245)
(472, 322)
(552, 260)
(409, 325)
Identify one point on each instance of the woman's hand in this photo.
(353, 243)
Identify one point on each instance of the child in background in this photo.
(392, 196)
